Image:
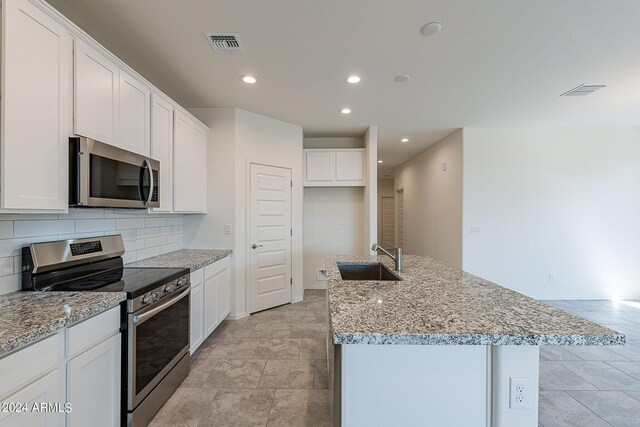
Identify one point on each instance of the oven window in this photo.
(159, 340)
(111, 179)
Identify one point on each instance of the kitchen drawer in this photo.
(197, 277)
(215, 268)
(27, 364)
(90, 332)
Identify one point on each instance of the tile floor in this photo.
(270, 370)
(593, 386)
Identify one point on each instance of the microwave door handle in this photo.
(147, 165)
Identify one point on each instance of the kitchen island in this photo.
(440, 347)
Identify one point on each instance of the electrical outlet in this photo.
(227, 229)
(341, 225)
(444, 166)
(552, 278)
(519, 393)
(475, 229)
(322, 274)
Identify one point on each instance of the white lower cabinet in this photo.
(209, 300)
(89, 394)
(93, 385)
(196, 330)
(43, 390)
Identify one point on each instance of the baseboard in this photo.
(318, 286)
(237, 316)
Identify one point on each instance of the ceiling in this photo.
(496, 63)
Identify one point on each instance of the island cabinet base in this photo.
(433, 385)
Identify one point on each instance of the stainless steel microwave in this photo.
(104, 176)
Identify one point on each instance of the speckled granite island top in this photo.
(193, 259)
(435, 304)
(27, 317)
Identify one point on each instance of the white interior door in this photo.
(269, 237)
(400, 243)
(388, 220)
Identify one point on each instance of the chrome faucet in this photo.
(396, 257)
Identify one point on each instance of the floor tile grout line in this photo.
(621, 371)
(589, 409)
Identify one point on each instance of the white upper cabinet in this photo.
(320, 166)
(96, 95)
(189, 168)
(36, 76)
(334, 167)
(162, 149)
(135, 115)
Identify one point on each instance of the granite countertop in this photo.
(193, 259)
(436, 304)
(28, 317)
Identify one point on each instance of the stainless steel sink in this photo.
(366, 271)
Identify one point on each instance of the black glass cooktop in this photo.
(106, 276)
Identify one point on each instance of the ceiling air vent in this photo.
(225, 42)
(583, 90)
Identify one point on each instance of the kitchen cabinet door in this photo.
(36, 72)
(320, 166)
(189, 167)
(93, 385)
(223, 302)
(350, 166)
(162, 149)
(211, 303)
(134, 120)
(96, 95)
(44, 390)
(196, 332)
(334, 167)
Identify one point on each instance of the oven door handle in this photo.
(139, 318)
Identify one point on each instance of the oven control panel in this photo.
(85, 248)
(157, 294)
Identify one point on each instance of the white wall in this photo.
(332, 226)
(331, 142)
(564, 202)
(370, 200)
(145, 235)
(385, 189)
(207, 231)
(433, 201)
(236, 138)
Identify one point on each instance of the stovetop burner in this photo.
(52, 266)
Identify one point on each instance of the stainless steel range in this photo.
(154, 319)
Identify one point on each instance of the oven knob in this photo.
(145, 299)
(181, 281)
(155, 296)
(166, 289)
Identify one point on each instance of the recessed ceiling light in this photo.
(379, 161)
(431, 28)
(353, 79)
(404, 140)
(401, 78)
(346, 111)
(249, 79)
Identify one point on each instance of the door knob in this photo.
(254, 246)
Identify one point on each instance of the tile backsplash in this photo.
(144, 234)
